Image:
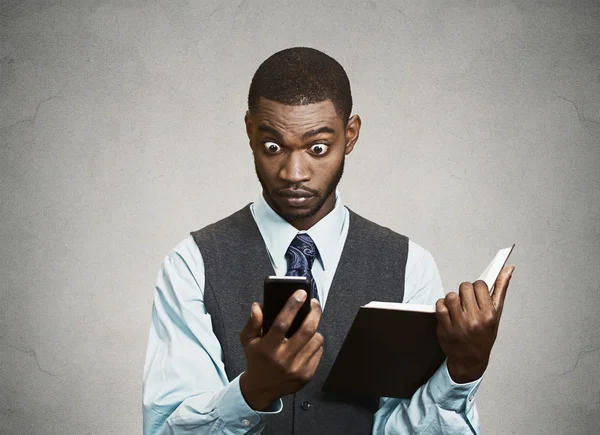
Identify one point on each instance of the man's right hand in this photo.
(276, 365)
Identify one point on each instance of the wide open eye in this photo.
(272, 147)
(319, 149)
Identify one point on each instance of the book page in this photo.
(401, 306)
(490, 274)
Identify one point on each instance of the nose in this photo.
(295, 168)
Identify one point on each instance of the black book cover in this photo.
(387, 352)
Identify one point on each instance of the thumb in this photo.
(253, 326)
(501, 286)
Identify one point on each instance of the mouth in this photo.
(295, 197)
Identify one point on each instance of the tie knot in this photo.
(302, 253)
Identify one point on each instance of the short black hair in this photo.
(300, 75)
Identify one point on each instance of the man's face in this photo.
(299, 156)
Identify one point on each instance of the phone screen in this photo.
(277, 291)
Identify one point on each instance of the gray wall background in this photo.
(122, 130)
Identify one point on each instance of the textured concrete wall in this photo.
(121, 130)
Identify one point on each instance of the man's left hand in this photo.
(468, 325)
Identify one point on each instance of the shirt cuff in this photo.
(450, 395)
(235, 412)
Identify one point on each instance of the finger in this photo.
(286, 316)
(307, 329)
(313, 362)
(452, 302)
(482, 294)
(307, 352)
(253, 326)
(443, 315)
(467, 297)
(501, 286)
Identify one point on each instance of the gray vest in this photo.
(371, 268)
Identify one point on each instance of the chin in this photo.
(299, 215)
(288, 212)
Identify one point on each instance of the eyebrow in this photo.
(268, 129)
(318, 131)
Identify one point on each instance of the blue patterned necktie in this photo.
(300, 257)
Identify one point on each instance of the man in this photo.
(209, 369)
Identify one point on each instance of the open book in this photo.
(392, 348)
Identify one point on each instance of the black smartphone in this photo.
(277, 291)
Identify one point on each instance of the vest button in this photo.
(305, 406)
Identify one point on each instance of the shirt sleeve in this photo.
(185, 387)
(440, 406)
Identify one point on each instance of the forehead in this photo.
(291, 118)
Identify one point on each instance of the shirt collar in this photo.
(278, 233)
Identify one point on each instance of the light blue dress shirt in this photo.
(185, 387)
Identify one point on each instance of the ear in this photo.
(352, 132)
(248, 122)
